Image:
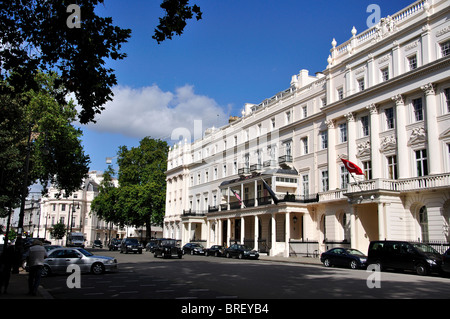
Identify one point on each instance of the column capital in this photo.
(373, 108)
(350, 116)
(398, 99)
(429, 89)
(330, 123)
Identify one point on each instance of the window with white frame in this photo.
(304, 142)
(272, 121)
(392, 167)
(305, 185)
(417, 109)
(224, 171)
(340, 93)
(323, 140)
(304, 111)
(343, 132)
(215, 173)
(447, 99)
(412, 62)
(389, 113)
(324, 180)
(323, 101)
(365, 125)
(421, 162)
(344, 177)
(384, 74)
(361, 85)
(288, 117)
(367, 170)
(445, 48)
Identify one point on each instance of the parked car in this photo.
(347, 257)
(240, 251)
(130, 245)
(114, 244)
(97, 244)
(51, 247)
(193, 249)
(446, 261)
(166, 247)
(150, 246)
(403, 255)
(60, 258)
(215, 250)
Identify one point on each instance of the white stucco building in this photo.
(382, 102)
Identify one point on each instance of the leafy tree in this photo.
(34, 124)
(58, 231)
(140, 197)
(40, 35)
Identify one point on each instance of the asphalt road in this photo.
(211, 278)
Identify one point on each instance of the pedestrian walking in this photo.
(6, 262)
(35, 263)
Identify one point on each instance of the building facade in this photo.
(383, 103)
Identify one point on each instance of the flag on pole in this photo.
(272, 194)
(238, 197)
(352, 167)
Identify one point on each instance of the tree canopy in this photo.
(140, 196)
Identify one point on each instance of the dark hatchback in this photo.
(344, 257)
(241, 251)
(114, 244)
(402, 255)
(193, 249)
(215, 250)
(167, 248)
(446, 261)
(130, 245)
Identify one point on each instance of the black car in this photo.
(114, 244)
(130, 245)
(347, 257)
(403, 255)
(240, 251)
(150, 246)
(215, 250)
(446, 261)
(193, 249)
(97, 243)
(166, 248)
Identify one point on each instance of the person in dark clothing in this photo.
(6, 262)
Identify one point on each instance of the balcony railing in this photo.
(285, 159)
(191, 212)
(244, 171)
(255, 167)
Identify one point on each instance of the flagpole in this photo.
(357, 183)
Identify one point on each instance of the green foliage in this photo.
(174, 21)
(140, 197)
(58, 230)
(34, 121)
(38, 37)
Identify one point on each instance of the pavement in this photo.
(18, 283)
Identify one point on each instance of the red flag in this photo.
(352, 167)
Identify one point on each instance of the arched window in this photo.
(423, 222)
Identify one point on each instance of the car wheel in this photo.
(192, 252)
(98, 268)
(216, 254)
(353, 264)
(46, 271)
(180, 256)
(241, 255)
(155, 255)
(327, 263)
(228, 255)
(421, 269)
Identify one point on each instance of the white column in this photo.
(228, 231)
(432, 130)
(400, 129)
(256, 233)
(351, 137)
(353, 226)
(331, 150)
(381, 222)
(375, 141)
(242, 230)
(273, 235)
(287, 234)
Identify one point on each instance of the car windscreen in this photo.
(168, 242)
(425, 248)
(355, 252)
(85, 252)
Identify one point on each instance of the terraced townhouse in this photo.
(383, 103)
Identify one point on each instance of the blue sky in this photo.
(240, 52)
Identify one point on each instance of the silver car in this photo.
(60, 258)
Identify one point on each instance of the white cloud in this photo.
(149, 111)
